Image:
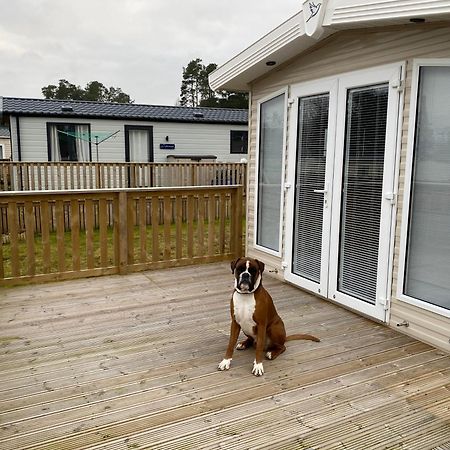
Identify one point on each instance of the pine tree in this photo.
(191, 85)
(195, 89)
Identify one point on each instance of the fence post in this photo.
(238, 199)
(123, 232)
(99, 176)
(192, 175)
(20, 178)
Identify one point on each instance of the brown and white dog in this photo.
(253, 311)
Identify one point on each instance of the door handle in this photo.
(391, 196)
(323, 191)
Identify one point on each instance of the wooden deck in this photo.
(129, 362)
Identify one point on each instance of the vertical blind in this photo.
(428, 250)
(361, 196)
(310, 176)
(269, 172)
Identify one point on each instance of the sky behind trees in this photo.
(139, 46)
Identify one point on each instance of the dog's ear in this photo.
(261, 265)
(233, 264)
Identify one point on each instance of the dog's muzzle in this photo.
(245, 283)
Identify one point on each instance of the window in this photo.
(271, 142)
(68, 142)
(427, 253)
(238, 141)
(2, 155)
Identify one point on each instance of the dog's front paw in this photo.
(224, 364)
(258, 369)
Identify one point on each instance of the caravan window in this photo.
(238, 141)
(68, 142)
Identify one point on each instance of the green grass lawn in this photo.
(52, 265)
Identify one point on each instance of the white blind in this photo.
(310, 175)
(269, 173)
(427, 274)
(362, 183)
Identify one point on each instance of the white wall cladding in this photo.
(196, 139)
(344, 52)
(189, 138)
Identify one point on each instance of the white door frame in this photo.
(386, 74)
(323, 86)
(338, 87)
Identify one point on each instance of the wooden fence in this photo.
(38, 176)
(87, 233)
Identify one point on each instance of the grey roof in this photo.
(4, 132)
(74, 108)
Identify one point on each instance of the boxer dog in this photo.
(253, 311)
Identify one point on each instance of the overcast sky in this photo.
(140, 46)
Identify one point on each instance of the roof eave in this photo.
(279, 45)
(291, 39)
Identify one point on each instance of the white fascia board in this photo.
(291, 39)
(279, 45)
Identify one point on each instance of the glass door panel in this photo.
(138, 143)
(362, 188)
(309, 184)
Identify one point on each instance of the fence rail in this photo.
(59, 235)
(37, 176)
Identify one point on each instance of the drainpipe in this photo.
(19, 148)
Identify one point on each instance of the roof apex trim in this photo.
(317, 20)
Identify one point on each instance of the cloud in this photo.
(137, 45)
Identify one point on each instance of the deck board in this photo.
(123, 362)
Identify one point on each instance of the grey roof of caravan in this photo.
(74, 108)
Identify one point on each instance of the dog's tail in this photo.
(297, 337)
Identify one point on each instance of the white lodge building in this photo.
(349, 157)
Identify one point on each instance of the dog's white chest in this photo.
(244, 308)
